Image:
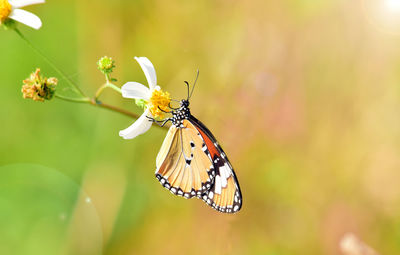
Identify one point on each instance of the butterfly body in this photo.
(192, 164)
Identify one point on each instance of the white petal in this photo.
(26, 18)
(139, 127)
(135, 90)
(148, 70)
(22, 3)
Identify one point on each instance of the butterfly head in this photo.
(183, 112)
(184, 103)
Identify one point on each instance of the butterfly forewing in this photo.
(225, 194)
(182, 166)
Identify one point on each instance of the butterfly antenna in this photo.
(188, 90)
(195, 81)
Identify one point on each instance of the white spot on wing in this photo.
(225, 173)
(218, 184)
(228, 171)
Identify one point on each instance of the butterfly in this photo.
(191, 163)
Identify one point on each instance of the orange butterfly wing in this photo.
(224, 195)
(191, 163)
(182, 166)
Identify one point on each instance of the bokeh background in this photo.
(304, 96)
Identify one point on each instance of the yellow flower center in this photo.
(158, 103)
(5, 10)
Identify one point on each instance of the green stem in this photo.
(116, 88)
(113, 108)
(107, 85)
(77, 89)
(75, 100)
(99, 91)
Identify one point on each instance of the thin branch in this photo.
(122, 111)
(70, 99)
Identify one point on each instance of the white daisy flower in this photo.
(154, 98)
(10, 9)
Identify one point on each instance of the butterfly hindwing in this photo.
(224, 195)
(182, 166)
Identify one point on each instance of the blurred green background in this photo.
(304, 96)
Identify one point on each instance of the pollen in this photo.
(158, 103)
(5, 10)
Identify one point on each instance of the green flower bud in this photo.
(106, 65)
(141, 103)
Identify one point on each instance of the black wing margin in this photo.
(224, 195)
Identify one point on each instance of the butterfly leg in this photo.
(161, 123)
(163, 110)
(170, 106)
(165, 122)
